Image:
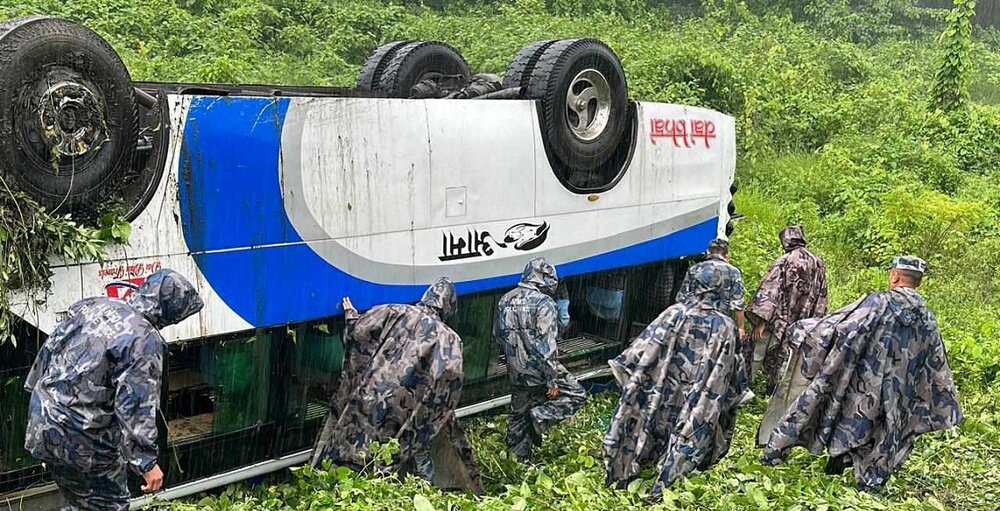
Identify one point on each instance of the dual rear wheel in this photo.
(579, 84)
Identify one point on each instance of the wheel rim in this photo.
(72, 119)
(588, 104)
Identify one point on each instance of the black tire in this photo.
(517, 73)
(550, 81)
(417, 61)
(79, 163)
(374, 66)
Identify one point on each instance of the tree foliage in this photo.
(950, 91)
(31, 239)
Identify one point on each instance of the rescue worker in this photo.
(682, 380)
(794, 288)
(402, 379)
(543, 392)
(95, 390)
(864, 382)
(725, 276)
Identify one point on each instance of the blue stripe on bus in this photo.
(230, 197)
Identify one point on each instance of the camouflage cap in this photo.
(909, 262)
(719, 243)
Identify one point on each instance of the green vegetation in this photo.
(855, 118)
(29, 236)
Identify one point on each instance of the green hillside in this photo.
(845, 124)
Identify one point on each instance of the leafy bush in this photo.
(709, 80)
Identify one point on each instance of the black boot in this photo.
(836, 465)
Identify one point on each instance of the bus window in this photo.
(17, 468)
(473, 321)
(217, 405)
(312, 358)
(657, 285)
(217, 386)
(598, 313)
(14, 404)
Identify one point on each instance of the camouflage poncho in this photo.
(682, 380)
(96, 382)
(402, 379)
(864, 382)
(726, 278)
(793, 289)
(527, 328)
(95, 390)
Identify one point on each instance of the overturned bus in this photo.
(279, 201)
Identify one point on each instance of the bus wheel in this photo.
(68, 114)
(517, 73)
(419, 61)
(371, 71)
(584, 99)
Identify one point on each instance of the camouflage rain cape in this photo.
(95, 389)
(527, 328)
(402, 379)
(682, 380)
(863, 383)
(794, 288)
(726, 278)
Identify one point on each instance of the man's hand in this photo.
(758, 331)
(346, 302)
(350, 313)
(742, 334)
(553, 392)
(153, 478)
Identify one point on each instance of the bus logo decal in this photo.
(481, 243)
(122, 288)
(527, 236)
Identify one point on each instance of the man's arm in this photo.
(765, 301)
(547, 326)
(137, 375)
(740, 322)
(362, 330)
(736, 302)
(821, 300)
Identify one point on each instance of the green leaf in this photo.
(935, 503)
(757, 495)
(121, 231)
(420, 503)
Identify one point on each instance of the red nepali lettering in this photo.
(704, 130)
(683, 132)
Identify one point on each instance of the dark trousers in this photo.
(99, 489)
(532, 414)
